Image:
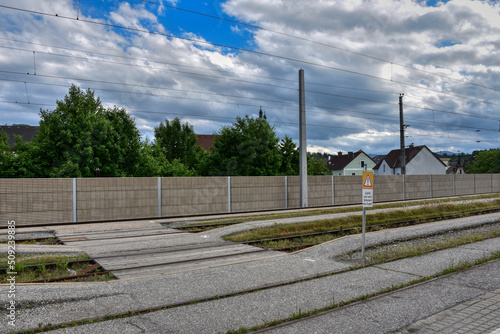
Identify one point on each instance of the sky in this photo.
(208, 62)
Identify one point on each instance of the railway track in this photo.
(354, 230)
(164, 260)
(93, 269)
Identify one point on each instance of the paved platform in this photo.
(477, 316)
(63, 302)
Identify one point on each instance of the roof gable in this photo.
(339, 162)
(393, 159)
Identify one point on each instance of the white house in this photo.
(352, 163)
(420, 160)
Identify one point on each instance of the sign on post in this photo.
(367, 203)
(367, 189)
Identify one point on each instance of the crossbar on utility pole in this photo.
(402, 135)
(302, 141)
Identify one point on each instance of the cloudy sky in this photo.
(210, 61)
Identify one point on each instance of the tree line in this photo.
(81, 138)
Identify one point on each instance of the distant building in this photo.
(378, 158)
(206, 142)
(419, 160)
(27, 132)
(455, 167)
(350, 163)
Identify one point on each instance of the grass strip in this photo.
(354, 221)
(41, 241)
(388, 253)
(345, 209)
(32, 259)
(34, 267)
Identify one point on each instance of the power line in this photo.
(321, 43)
(268, 107)
(234, 48)
(146, 86)
(191, 40)
(455, 138)
(149, 67)
(175, 64)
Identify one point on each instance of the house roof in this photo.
(206, 142)
(340, 161)
(393, 159)
(378, 158)
(453, 166)
(27, 132)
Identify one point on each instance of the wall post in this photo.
(286, 192)
(454, 186)
(229, 194)
(333, 191)
(430, 184)
(159, 197)
(74, 201)
(404, 188)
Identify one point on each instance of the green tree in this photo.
(155, 163)
(248, 147)
(486, 162)
(25, 163)
(316, 165)
(290, 157)
(178, 141)
(6, 157)
(82, 139)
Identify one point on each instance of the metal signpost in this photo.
(367, 203)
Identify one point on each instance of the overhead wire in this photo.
(291, 59)
(320, 43)
(250, 82)
(238, 49)
(216, 94)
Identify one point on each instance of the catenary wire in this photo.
(320, 43)
(238, 49)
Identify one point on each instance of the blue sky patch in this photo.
(446, 43)
(434, 3)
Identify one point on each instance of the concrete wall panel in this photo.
(39, 201)
(257, 193)
(484, 183)
(183, 196)
(116, 198)
(464, 184)
(442, 186)
(417, 186)
(349, 189)
(35, 201)
(387, 188)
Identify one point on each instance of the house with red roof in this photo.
(352, 163)
(419, 160)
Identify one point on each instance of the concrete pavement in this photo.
(59, 303)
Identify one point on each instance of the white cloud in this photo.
(165, 73)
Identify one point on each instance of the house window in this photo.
(353, 173)
(384, 168)
(362, 164)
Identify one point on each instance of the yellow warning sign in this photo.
(367, 180)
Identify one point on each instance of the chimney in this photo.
(340, 153)
(350, 154)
